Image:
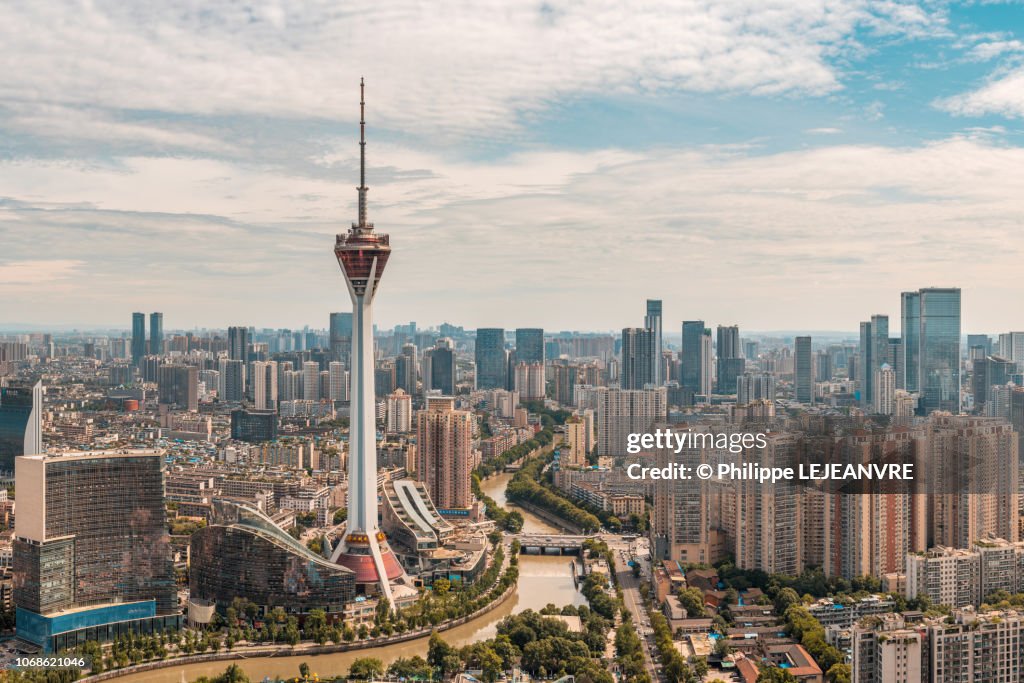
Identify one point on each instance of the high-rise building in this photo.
(980, 340)
(311, 381)
(238, 344)
(444, 442)
(179, 385)
(338, 379)
(138, 337)
(21, 423)
(939, 368)
(264, 385)
(931, 347)
(621, 412)
(340, 336)
(973, 474)
(232, 377)
(529, 380)
(439, 368)
(695, 377)
(885, 390)
(987, 372)
(752, 387)
(399, 407)
(803, 370)
(1011, 346)
(529, 345)
(874, 351)
(730, 361)
(156, 334)
(407, 369)
(363, 255)
(491, 359)
(888, 649)
(575, 452)
(639, 366)
(910, 331)
(92, 556)
(653, 323)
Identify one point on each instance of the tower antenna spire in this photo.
(362, 159)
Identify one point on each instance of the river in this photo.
(542, 580)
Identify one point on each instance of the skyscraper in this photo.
(652, 322)
(232, 378)
(340, 336)
(874, 352)
(156, 334)
(407, 369)
(238, 344)
(910, 330)
(529, 345)
(91, 548)
(939, 367)
(803, 370)
(730, 364)
(311, 381)
(439, 368)
(21, 423)
(362, 255)
(693, 358)
(444, 438)
(264, 385)
(179, 385)
(885, 390)
(491, 359)
(638, 363)
(138, 337)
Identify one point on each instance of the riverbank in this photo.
(301, 650)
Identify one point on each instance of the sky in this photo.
(782, 165)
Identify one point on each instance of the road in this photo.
(634, 603)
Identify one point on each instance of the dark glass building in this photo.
(243, 554)
(939, 368)
(253, 426)
(491, 359)
(156, 333)
(638, 362)
(730, 364)
(692, 356)
(530, 345)
(92, 556)
(340, 336)
(652, 322)
(442, 369)
(238, 344)
(803, 370)
(138, 337)
(21, 429)
(179, 386)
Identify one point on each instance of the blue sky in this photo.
(781, 165)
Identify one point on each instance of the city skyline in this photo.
(799, 163)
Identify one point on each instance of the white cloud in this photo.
(819, 237)
(465, 67)
(38, 272)
(1003, 95)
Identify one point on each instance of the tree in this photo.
(773, 674)
(839, 673)
(304, 670)
(366, 668)
(692, 601)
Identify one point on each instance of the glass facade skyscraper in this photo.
(693, 359)
(803, 370)
(91, 543)
(530, 345)
(939, 366)
(21, 418)
(910, 329)
(638, 362)
(653, 322)
(491, 359)
(138, 337)
(156, 333)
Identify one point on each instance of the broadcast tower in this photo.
(362, 255)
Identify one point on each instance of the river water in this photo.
(542, 580)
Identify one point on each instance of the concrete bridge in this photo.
(545, 543)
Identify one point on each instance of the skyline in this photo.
(788, 166)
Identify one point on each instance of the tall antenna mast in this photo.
(362, 159)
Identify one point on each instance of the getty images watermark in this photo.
(738, 442)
